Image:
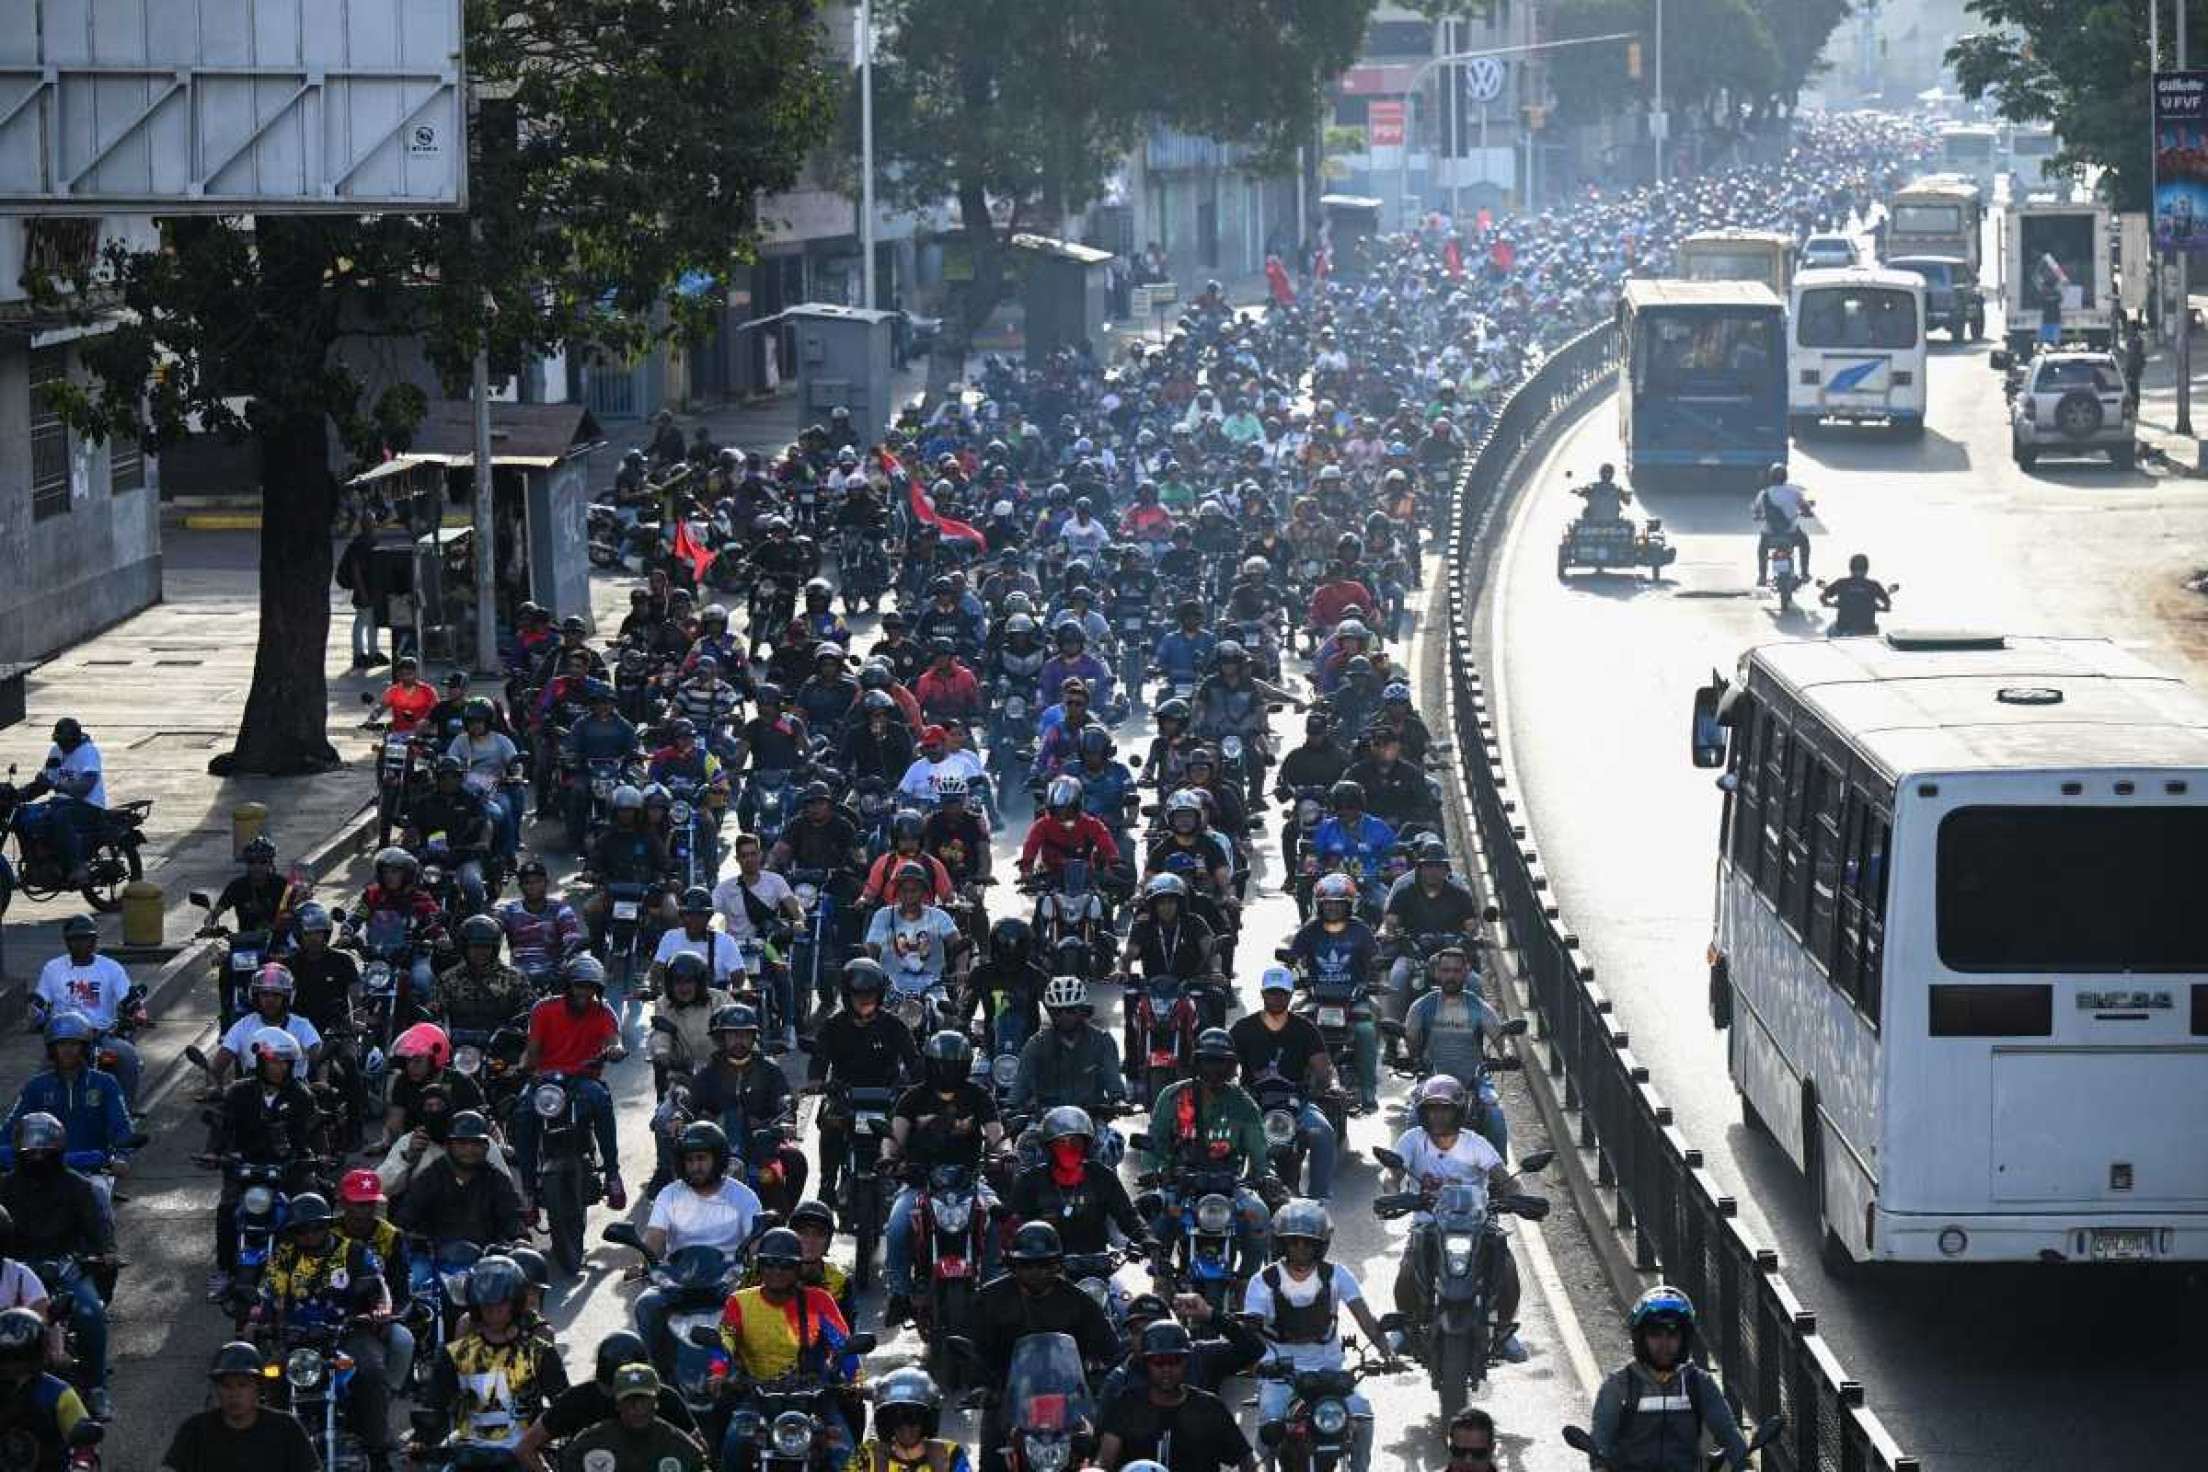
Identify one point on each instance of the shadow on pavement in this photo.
(1838, 447)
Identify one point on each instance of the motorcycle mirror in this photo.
(1516, 1027)
(199, 898)
(861, 1343)
(964, 1349)
(86, 1433)
(196, 1058)
(1532, 1208)
(1138, 1141)
(367, 697)
(1535, 1161)
(1998, 359)
(1491, 914)
(1578, 1440)
(1134, 761)
(704, 1336)
(1282, 953)
(623, 1234)
(1389, 1323)
(1387, 1157)
(338, 915)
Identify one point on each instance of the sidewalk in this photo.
(2158, 436)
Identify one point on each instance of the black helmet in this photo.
(864, 974)
(1175, 709)
(735, 1017)
(1346, 794)
(78, 927)
(22, 1335)
(697, 900)
(687, 966)
(907, 1394)
(309, 1209)
(947, 1058)
(619, 1348)
(1216, 1059)
(262, 850)
(1036, 1242)
(813, 1214)
(779, 1248)
(468, 1124)
(238, 1357)
(703, 1134)
(496, 1279)
(532, 1264)
(1166, 1337)
(480, 930)
(1010, 939)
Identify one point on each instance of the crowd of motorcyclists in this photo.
(1092, 587)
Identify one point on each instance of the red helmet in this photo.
(424, 1040)
(360, 1188)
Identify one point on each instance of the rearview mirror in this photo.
(1708, 734)
(1516, 1027)
(1578, 1440)
(623, 1234)
(705, 1336)
(86, 1433)
(861, 1343)
(1138, 1141)
(1536, 1161)
(1998, 360)
(367, 697)
(199, 898)
(1491, 914)
(1387, 1157)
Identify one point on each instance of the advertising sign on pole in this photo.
(2181, 161)
(1384, 124)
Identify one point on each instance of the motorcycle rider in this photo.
(1351, 839)
(88, 1103)
(602, 735)
(860, 1045)
(458, 1196)
(359, 1195)
(93, 986)
(945, 1119)
(948, 692)
(1397, 715)
(695, 936)
(1338, 950)
(237, 1433)
(706, 1207)
(826, 698)
(57, 1215)
(1859, 599)
(1396, 791)
(491, 1382)
(635, 1435)
(1232, 702)
(582, 1406)
(1188, 830)
(270, 992)
(687, 1002)
(1437, 1151)
(957, 837)
(747, 1092)
(879, 744)
(912, 936)
(1275, 1042)
(319, 1280)
(1778, 510)
(1298, 1302)
(1605, 498)
(541, 931)
(908, 1412)
(1185, 652)
(568, 1035)
(257, 896)
(1063, 831)
(785, 1325)
(1318, 763)
(906, 830)
(1211, 1121)
(480, 993)
(1034, 1297)
(628, 853)
(38, 1411)
(1232, 1350)
(394, 890)
(1073, 1061)
(268, 1117)
(1167, 1417)
(1652, 1412)
(1005, 988)
(1430, 900)
(1076, 1191)
(468, 820)
(1445, 1034)
(1166, 938)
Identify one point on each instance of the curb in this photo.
(222, 521)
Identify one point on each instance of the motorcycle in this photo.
(1280, 1105)
(816, 949)
(766, 805)
(1784, 579)
(1049, 1418)
(264, 1205)
(1454, 1259)
(569, 1179)
(109, 848)
(316, 1375)
(1011, 726)
(950, 1225)
(235, 961)
(698, 1280)
(782, 1425)
(402, 770)
(59, 1274)
(1844, 628)
(1335, 1005)
(1210, 1252)
(619, 536)
(862, 1206)
(438, 1274)
(862, 569)
(1313, 1434)
(1164, 1016)
(697, 845)
(1307, 811)
(491, 1058)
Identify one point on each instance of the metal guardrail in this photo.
(1753, 1329)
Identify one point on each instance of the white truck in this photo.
(2057, 277)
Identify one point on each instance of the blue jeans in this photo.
(1272, 1404)
(897, 1242)
(398, 1354)
(597, 1104)
(91, 1317)
(68, 821)
(1011, 1030)
(1321, 1150)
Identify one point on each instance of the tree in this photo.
(1799, 30)
(2081, 65)
(1017, 111)
(1590, 82)
(617, 148)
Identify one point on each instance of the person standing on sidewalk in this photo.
(356, 573)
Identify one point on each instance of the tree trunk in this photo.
(969, 308)
(285, 731)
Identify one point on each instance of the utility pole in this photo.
(479, 389)
(2184, 286)
(866, 153)
(1659, 126)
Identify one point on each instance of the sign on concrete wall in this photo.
(1384, 124)
(231, 106)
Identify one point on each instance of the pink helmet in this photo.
(424, 1040)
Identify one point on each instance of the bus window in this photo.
(1766, 870)
(1751, 733)
(1824, 879)
(1926, 219)
(1858, 317)
(2072, 889)
(1803, 792)
(1878, 833)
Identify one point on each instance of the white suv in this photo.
(2072, 402)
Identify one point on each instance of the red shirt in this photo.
(567, 1043)
(1053, 842)
(409, 704)
(955, 694)
(1328, 602)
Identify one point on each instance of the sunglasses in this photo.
(1660, 1328)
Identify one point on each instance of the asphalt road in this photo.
(1976, 1369)
(164, 1331)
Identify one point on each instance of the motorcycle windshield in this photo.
(387, 930)
(1073, 878)
(1461, 1206)
(1046, 1389)
(697, 1266)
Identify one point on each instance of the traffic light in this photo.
(1633, 59)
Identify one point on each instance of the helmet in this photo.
(949, 787)
(23, 1334)
(360, 1188)
(1346, 795)
(864, 974)
(779, 1248)
(1305, 1218)
(1181, 802)
(1277, 979)
(1162, 1339)
(1036, 1242)
(878, 702)
(1439, 1091)
(1433, 851)
(308, 1209)
(238, 1357)
(619, 1348)
(69, 1026)
(469, 1124)
(425, 1040)
(906, 824)
(480, 930)
(262, 850)
(947, 1058)
(532, 1264)
(1066, 1123)
(656, 795)
(312, 919)
(1164, 886)
(496, 1279)
(477, 709)
(39, 1131)
(276, 977)
(1065, 792)
(1396, 693)
(1096, 742)
(1776, 474)
(1214, 1042)
(686, 966)
(1350, 628)
(735, 1017)
(1230, 651)
(814, 1213)
(1066, 993)
(909, 873)
(1018, 624)
(1333, 889)
(705, 1135)
(697, 900)
(397, 858)
(584, 971)
(1660, 1303)
(627, 798)
(1010, 939)
(273, 1043)
(1175, 709)
(907, 1392)
(1256, 569)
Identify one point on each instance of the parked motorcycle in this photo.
(109, 849)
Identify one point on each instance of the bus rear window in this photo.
(1927, 219)
(1858, 317)
(2081, 889)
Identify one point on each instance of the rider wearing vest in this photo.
(1296, 1302)
(908, 1409)
(1652, 1411)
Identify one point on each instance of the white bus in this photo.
(1961, 942)
(2032, 148)
(1972, 150)
(1855, 349)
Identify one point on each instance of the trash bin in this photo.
(142, 907)
(247, 820)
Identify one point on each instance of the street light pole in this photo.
(2184, 290)
(1659, 126)
(866, 152)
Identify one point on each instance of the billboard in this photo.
(2181, 161)
(1384, 123)
(231, 106)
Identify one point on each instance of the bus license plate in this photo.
(624, 909)
(1333, 1016)
(2123, 1244)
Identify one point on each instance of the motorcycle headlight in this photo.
(468, 1058)
(377, 979)
(1329, 1417)
(1280, 1127)
(793, 1434)
(680, 812)
(1015, 709)
(303, 1369)
(952, 1216)
(807, 893)
(1004, 1071)
(1098, 1290)
(1459, 1257)
(1231, 747)
(257, 1201)
(1048, 1453)
(911, 1013)
(549, 1100)
(1214, 1214)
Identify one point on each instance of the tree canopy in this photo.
(1770, 49)
(2080, 65)
(617, 149)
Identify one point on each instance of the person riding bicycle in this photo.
(1652, 1412)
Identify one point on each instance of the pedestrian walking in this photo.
(356, 574)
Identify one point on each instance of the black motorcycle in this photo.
(109, 850)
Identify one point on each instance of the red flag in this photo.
(924, 508)
(1276, 277)
(692, 551)
(1322, 264)
(1452, 259)
(1484, 221)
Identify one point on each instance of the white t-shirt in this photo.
(239, 1039)
(19, 1286)
(719, 949)
(920, 778)
(86, 758)
(1325, 1354)
(723, 1219)
(770, 890)
(911, 946)
(96, 988)
(1468, 1160)
(1786, 502)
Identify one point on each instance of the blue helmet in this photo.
(1662, 1302)
(69, 1027)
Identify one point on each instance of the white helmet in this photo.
(275, 1043)
(1064, 993)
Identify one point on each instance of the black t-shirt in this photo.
(942, 1142)
(406, 1095)
(580, 1407)
(275, 1442)
(1198, 1435)
(324, 985)
(1421, 913)
(1288, 1052)
(864, 1055)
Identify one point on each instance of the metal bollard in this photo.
(247, 820)
(142, 913)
